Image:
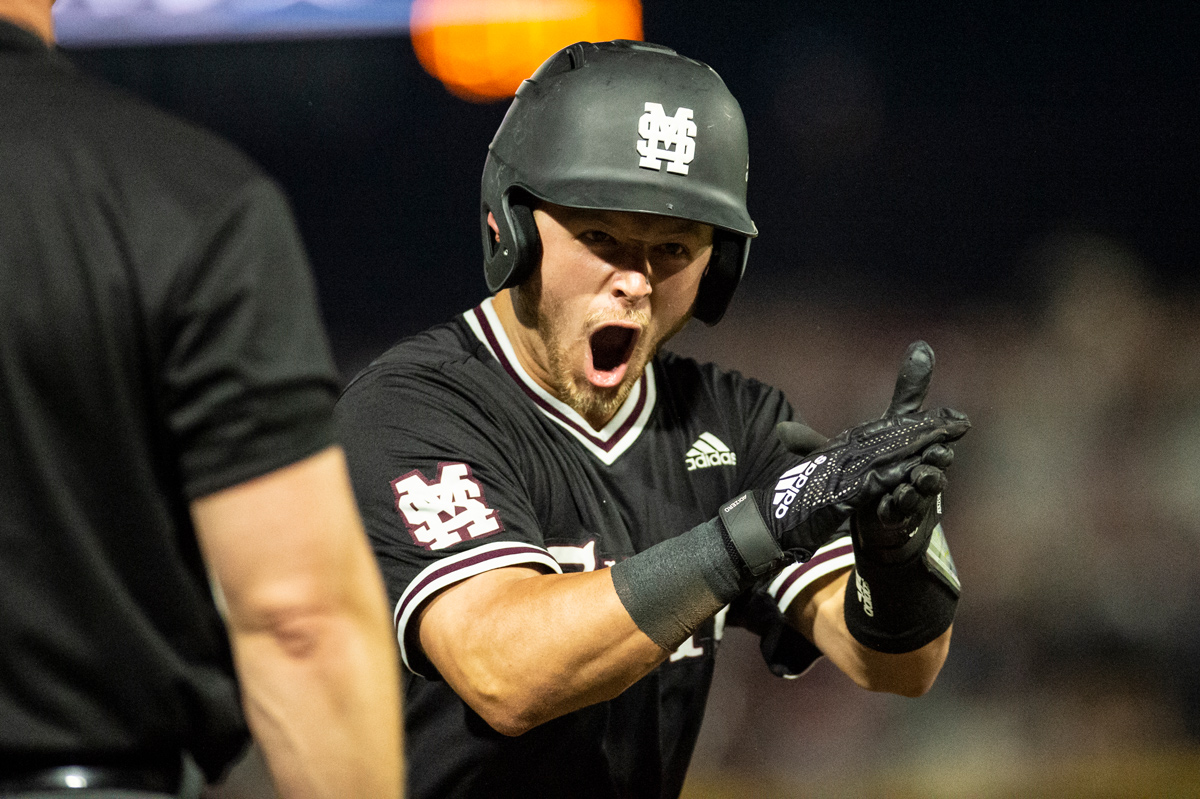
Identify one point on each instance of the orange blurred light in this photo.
(481, 50)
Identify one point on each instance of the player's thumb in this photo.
(913, 381)
(800, 439)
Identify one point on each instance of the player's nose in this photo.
(631, 279)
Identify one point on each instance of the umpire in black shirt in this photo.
(166, 450)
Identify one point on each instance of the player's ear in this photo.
(495, 228)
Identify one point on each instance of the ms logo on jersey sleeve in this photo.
(666, 138)
(446, 511)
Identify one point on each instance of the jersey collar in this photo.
(606, 444)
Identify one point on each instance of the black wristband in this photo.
(673, 586)
(897, 608)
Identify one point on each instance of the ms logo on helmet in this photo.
(660, 132)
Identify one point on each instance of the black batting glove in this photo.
(900, 525)
(905, 588)
(885, 469)
(858, 469)
(886, 532)
(799, 438)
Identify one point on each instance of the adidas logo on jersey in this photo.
(709, 451)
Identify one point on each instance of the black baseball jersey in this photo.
(159, 340)
(462, 464)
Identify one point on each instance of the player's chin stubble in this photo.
(594, 403)
(591, 402)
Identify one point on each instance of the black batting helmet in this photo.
(621, 126)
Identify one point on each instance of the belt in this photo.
(163, 779)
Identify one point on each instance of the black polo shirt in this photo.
(159, 341)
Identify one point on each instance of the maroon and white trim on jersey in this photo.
(791, 580)
(606, 444)
(456, 568)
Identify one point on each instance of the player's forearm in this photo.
(522, 648)
(909, 674)
(822, 619)
(343, 739)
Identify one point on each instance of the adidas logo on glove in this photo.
(790, 483)
(709, 451)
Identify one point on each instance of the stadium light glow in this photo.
(481, 50)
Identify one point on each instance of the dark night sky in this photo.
(896, 149)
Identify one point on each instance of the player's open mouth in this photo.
(611, 347)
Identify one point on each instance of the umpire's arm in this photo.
(310, 629)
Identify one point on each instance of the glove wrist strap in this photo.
(750, 534)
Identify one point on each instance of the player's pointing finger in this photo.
(913, 381)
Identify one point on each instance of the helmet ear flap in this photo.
(725, 268)
(527, 245)
(513, 258)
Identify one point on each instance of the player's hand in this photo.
(898, 526)
(799, 438)
(928, 478)
(861, 470)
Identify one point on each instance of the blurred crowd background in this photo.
(1017, 184)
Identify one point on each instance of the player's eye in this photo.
(674, 250)
(596, 237)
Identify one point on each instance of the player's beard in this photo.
(595, 403)
(592, 402)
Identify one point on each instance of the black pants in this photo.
(191, 783)
(185, 792)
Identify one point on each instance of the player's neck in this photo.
(526, 342)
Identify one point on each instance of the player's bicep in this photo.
(449, 623)
(442, 501)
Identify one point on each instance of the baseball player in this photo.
(567, 517)
(166, 427)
